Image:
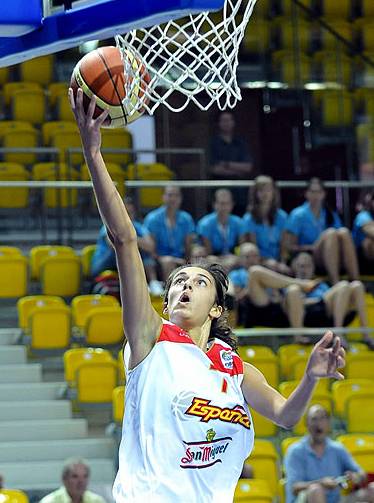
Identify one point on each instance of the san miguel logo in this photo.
(206, 453)
(200, 407)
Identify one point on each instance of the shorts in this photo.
(271, 315)
(316, 316)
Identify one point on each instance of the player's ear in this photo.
(215, 312)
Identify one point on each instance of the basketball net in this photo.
(195, 57)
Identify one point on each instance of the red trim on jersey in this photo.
(224, 359)
(172, 333)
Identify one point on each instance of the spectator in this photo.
(198, 253)
(230, 159)
(336, 306)
(75, 478)
(104, 256)
(221, 231)
(316, 465)
(173, 231)
(314, 228)
(363, 231)
(265, 222)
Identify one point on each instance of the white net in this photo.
(193, 59)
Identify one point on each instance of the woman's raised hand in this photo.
(89, 127)
(326, 358)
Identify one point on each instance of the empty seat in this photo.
(11, 87)
(13, 496)
(10, 250)
(367, 8)
(13, 197)
(86, 257)
(60, 275)
(27, 304)
(13, 274)
(343, 390)
(336, 8)
(292, 36)
(74, 357)
(265, 463)
(82, 305)
(336, 108)
(149, 197)
(38, 69)
(118, 138)
(360, 365)
(286, 353)
(10, 125)
(29, 105)
(4, 75)
(54, 90)
(64, 140)
(54, 197)
(63, 108)
(257, 36)
(287, 442)
(333, 69)
(263, 426)
(366, 29)
(51, 127)
(292, 69)
(104, 326)
(256, 490)
(263, 359)
(118, 404)
(21, 138)
(329, 41)
(361, 447)
(359, 412)
(38, 253)
(49, 327)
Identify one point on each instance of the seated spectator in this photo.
(198, 253)
(314, 228)
(104, 257)
(172, 230)
(265, 222)
(336, 306)
(75, 478)
(317, 467)
(221, 231)
(230, 159)
(363, 231)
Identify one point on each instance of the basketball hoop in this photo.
(195, 57)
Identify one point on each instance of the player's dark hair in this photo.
(254, 202)
(220, 328)
(329, 213)
(366, 201)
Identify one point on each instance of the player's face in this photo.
(76, 482)
(192, 297)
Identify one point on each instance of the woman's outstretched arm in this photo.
(141, 322)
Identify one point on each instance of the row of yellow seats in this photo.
(39, 70)
(13, 496)
(49, 323)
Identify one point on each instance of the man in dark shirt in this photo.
(230, 159)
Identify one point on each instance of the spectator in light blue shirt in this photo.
(317, 466)
(265, 222)
(221, 231)
(173, 231)
(314, 228)
(363, 230)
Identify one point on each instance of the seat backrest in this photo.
(14, 276)
(82, 305)
(50, 128)
(74, 357)
(360, 365)
(264, 359)
(56, 89)
(86, 257)
(29, 105)
(265, 463)
(38, 253)
(38, 69)
(21, 138)
(363, 421)
(50, 327)
(63, 140)
(256, 490)
(26, 304)
(60, 275)
(96, 381)
(342, 390)
(104, 326)
(118, 404)
(361, 446)
(13, 496)
(11, 87)
(287, 442)
(288, 351)
(10, 250)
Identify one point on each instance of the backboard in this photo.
(31, 28)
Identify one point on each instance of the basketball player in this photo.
(187, 427)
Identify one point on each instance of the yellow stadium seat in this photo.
(337, 108)
(60, 275)
(286, 5)
(360, 365)
(263, 426)
(27, 304)
(82, 305)
(335, 71)
(10, 125)
(29, 105)
(265, 463)
(116, 173)
(49, 327)
(76, 356)
(359, 413)
(367, 8)
(4, 75)
(10, 250)
(287, 442)
(286, 353)
(50, 171)
(253, 491)
(63, 140)
(11, 87)
(292, 69)
(287, 387)
(56, 89)
(121, 367)
(286, 30)
(64, 111)
(153, 171)
(40, 252)
(261, 9)
(95, 382)
(336, 8)
(117, 138)
(104, 326)
(13, 197)
(362, 449)
(367, 34)
(21, 138)
(118, 404)
(13, 274)
(343, 390)
(341, 26)
(86, 257)
(263, 359)
(38, 70)
(257, 37)
(51, 127)
(13, 496)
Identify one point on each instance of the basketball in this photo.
(119, 81)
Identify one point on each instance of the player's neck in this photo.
(200, 335)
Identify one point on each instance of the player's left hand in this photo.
(326, 358)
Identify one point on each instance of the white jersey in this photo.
(187, 429)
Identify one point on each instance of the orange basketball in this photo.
(119, 80)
